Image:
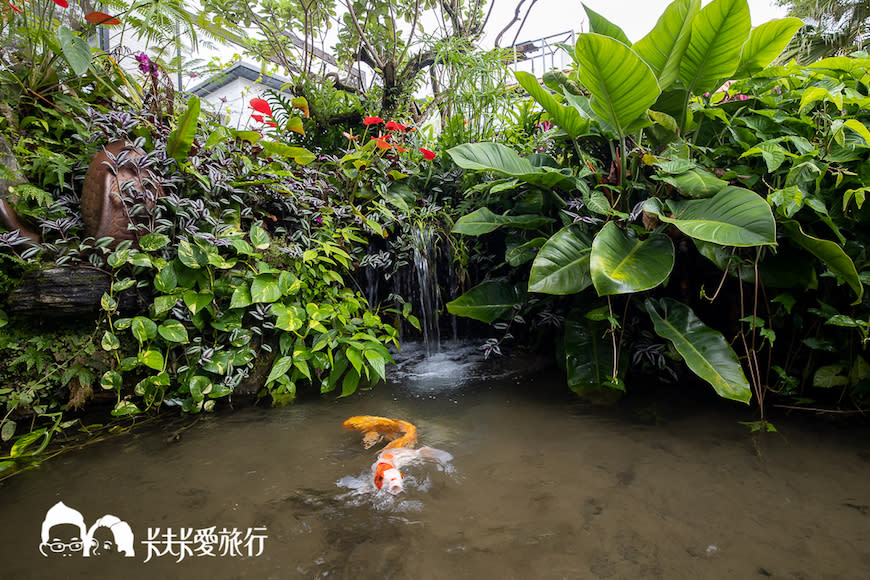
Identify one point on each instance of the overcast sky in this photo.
(635, 17)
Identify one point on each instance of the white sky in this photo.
(635, 17)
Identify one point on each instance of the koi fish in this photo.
(399, 433)
(402, 437)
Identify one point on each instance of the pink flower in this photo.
(428, 155)
(372, 121)
(261, 106)
(349, 137)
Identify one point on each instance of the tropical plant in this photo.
(628, 115)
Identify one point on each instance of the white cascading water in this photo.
(429, 295)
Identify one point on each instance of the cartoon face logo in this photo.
(64, 534)
(109, 536)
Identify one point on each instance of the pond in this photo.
(540, 486)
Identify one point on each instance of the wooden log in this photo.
(66, 292)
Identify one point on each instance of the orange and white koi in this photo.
(386, 472)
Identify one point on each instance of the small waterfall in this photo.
(429, 295)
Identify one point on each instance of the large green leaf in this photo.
(486, 302)
(562, 264)
(620, 264)
(697, 183)
(622, 85)
(482, 221)
(601, 25)
(828, 252)
(765, 43)
(300, 155)
(733, 217)
(664, 46)
(181, 139)
(75, 50)
(588, 354)
(718, 33)
(704, 349)
(567, 118)
(502, 159)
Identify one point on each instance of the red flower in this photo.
(258, 118)
(427, 155)
(101, 18)
(14, 7)
(393, 126)
(62, 3)
(372, 121)
(272, 123)
(261, 106)
(349, 137)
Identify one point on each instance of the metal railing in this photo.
(543, 54)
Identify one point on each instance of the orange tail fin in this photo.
(400, 433)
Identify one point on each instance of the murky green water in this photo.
(543, 487)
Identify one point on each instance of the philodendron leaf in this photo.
(765, 43)
(601, 25)
(181, 139)
(622, 85)
(562, 264)
(620, 264)
(486, 302)
(695, 183)
(830, 253)
(502, 159)
(704, 349)
(664, 46)
(300, 155)
(566, 117)
(75, 50)
(733, 217)
(588, 354)
(718, 33)
(482, 221)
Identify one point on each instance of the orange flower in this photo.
(427, 155)
(401, 149)
(372, 121)
(381, 143)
